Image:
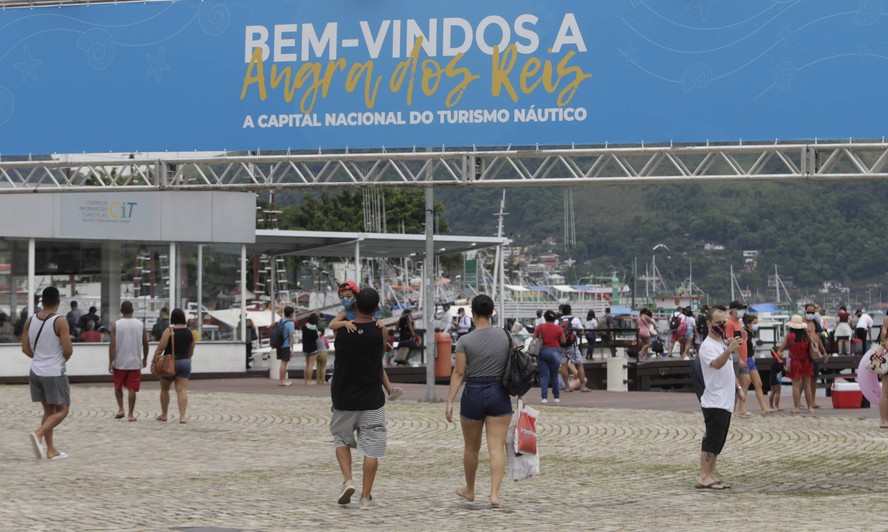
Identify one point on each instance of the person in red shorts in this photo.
(127, 336)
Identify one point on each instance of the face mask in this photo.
(740, 314)
(347, 302)
(311, 327)
(718, 330)
(755, 327)
(809, 317)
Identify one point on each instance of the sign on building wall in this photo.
(306, 74)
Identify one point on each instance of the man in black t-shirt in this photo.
(358, 419)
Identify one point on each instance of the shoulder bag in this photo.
(813, 352)
(165, 365)
(536, 344)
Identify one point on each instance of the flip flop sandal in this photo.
(717, 485)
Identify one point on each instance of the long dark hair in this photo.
(800, 334)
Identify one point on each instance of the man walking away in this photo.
(358, 419)
(73, 318)
(47, 342)
(717, 401)
(128, 337)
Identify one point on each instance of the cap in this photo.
(736, 305)
(349, 285)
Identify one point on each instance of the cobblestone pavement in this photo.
(265, 462)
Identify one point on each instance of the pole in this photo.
(32, 260)
(428, 296)
(732, 283)
(199, 289)
(243, 291)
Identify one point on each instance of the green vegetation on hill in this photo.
(813, 232)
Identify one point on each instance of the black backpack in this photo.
(518, 377)
(674, 322)
(702, 329)
(277, 335)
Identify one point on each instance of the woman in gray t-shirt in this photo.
(481, 359)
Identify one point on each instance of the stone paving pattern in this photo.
(264, 461)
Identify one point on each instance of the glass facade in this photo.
(101, 274)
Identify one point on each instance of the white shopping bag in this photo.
(521, 465)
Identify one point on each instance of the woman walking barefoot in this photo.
(176, 339)
(481, 359)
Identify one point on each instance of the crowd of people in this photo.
(723, 369)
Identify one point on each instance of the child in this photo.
(347, 292)
(778, 366)
(310, 339)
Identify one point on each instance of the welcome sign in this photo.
(307, 75)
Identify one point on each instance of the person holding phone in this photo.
(734, 329)
(717, 400)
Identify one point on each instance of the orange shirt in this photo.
(736, 325)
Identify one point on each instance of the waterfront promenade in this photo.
(254, 456)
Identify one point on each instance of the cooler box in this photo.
(846, 394)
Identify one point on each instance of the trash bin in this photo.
(443, 347)
(617, 375)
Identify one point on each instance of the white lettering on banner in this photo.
(474, 116)
(551, 114)
(283, 46)
(397, 118)
(456, 36)
(569, 33)
(364, 119)
(283, 120)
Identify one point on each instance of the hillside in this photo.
(813, 232)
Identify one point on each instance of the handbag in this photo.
(536, 344)
(165, 365)
(813, 352)
(877, 363)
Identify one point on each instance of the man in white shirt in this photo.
(46, 341)
(128, 338)
(539, 319)
(463, 323)
(717, 401)
(446, 323)
(862, 330)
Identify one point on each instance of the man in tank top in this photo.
(47, 342)
(128, 338)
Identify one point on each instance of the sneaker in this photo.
(557, 400)
(396, 392)
(367, 504)
(348, 489)
(544, 401)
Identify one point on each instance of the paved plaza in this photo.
(254, 456)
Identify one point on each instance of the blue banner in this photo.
(304, 74)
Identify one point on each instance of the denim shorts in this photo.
(750, 363)
(483, 397)
(183, 369)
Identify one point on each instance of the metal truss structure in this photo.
(492, 168)
(58, 3)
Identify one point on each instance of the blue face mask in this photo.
(347, 303)
(311, 327)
